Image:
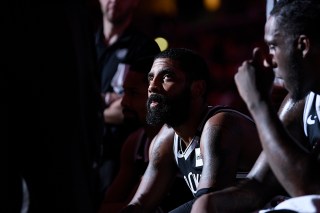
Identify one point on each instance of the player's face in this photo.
(135, 97)
(285, 58)
(169, 94)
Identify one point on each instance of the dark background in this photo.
(225, 36)
(50, 109)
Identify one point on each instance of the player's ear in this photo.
(303, 45)
(198, 88)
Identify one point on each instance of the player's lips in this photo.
(153, 104)
(278, 81)
(155, 101)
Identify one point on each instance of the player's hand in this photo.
(254, 78)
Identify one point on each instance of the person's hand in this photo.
(254, 78)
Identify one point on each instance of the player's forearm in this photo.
(281, 150)
(148, 195)
(246, 197)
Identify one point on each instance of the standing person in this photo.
(211, 146)
(117, 43)
(294, 47)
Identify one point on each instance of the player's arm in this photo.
(261, 184)
(220, 150)
(159, 175)
(280, 148)
(248, 196)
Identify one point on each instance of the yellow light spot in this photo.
(212, 5)
(162, 43)
(160, 7)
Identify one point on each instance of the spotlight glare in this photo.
(162, 43)
(212, 5)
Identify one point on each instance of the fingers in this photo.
(256, 53)
(268, 62)
(262, 61)
(254, 78)
(258, 57)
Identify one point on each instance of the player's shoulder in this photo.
(228, 116)
(165, 134)
(163, 140)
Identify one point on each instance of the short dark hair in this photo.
(189, 61)
(298, 17)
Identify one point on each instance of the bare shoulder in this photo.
(230, 128)
(233, 121)
(234, 132)
(164, 139)
(291, 115)
(161, 148)
(291, 110)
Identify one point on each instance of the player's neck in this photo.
(112, 31)
(187, 130)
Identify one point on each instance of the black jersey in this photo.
(189, 160)
(311, 121)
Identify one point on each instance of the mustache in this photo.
(156, 98)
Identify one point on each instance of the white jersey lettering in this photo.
(192, 181)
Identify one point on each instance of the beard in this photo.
(171, 111)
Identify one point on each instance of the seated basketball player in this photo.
(213, 147)
(134, 154)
